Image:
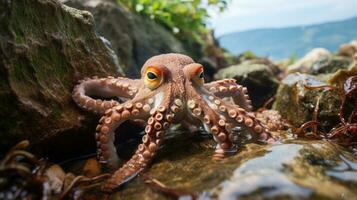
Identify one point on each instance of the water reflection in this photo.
(265, 175)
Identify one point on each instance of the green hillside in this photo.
(283, 42)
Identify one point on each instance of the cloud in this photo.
(252, 14)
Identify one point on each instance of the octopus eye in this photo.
(201, 75)
(151, 76)
(195, 73)
(198, 78)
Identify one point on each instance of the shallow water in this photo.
(291, 169)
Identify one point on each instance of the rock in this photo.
(296, 103)
(329, 64)
(348, 50)
(45, 48)
(134, 38)
(304, 65)
(91, 168)
(258, 78)
(247, 55)
(292, 169)
(273, 68)
(342, 75)
(56, 177)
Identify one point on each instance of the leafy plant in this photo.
(185, 18)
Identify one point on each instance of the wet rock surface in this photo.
(257, 77)
(133, 38)
(289, 169)
(45, 48)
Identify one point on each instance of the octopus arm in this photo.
(219, 117)
(105, 131)
(109, 87)
(211, 122)
(157, 123)
(228, 88)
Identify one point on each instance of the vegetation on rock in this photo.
(133, 38)
(185, 18)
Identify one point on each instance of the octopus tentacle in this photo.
(229, 88)
(104, 87)
(213, 123)
(238, 116)
(219, 117)
(159, 121)
(105, 131)
(247, 120)
(154, 130)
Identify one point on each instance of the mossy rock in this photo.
(296, 103)
(330, 65)
(45, 48)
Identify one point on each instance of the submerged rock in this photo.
(45, 48)
(296, 103)
(258, 78)
(133, 38)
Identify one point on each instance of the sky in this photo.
(244, 15)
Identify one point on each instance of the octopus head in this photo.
(172, 70)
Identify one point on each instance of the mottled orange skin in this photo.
(179, 95)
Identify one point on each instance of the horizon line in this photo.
(283, 27)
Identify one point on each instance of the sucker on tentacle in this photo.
(171, 90)
(161, 116)
(113, 117)
(229, 88)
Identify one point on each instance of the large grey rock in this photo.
(133, 38)
(45, 48)
(258, 78)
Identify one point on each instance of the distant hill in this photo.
(279, 43)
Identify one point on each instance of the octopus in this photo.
(171, 90)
